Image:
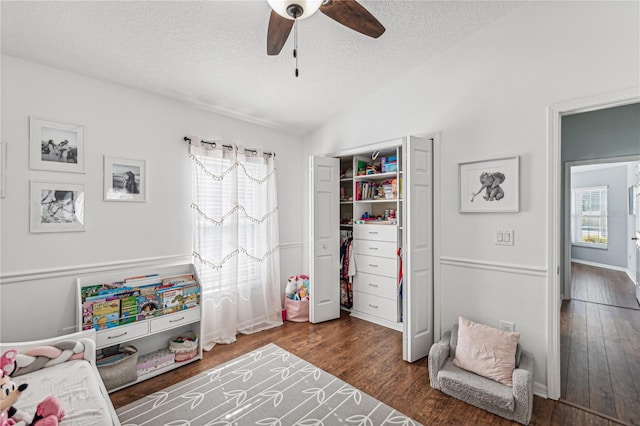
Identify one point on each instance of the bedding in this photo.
(68, 374)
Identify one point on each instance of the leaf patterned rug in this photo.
(269, 387)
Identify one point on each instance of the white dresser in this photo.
(375, 285)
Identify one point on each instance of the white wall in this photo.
(488, 97)
(38, 270)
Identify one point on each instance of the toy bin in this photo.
(297, 310)
(152, 361)
(118, 368)
(184, 346)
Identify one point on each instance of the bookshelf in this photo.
(144, 308)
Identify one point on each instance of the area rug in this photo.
(268, 386)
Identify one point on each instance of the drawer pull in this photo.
(373, 248)
(119, 335)
(373, 266)
(374, 285)
(177, 320)
(373, 306)
(373, 232)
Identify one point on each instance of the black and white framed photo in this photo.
(57, 207)
(490, 186)
(125, 179)
(56, 146)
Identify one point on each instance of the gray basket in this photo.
(122, 371)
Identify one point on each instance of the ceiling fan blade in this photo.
(352, 14)
(278, 33)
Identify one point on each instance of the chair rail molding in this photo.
(494, 266)
(75, 270)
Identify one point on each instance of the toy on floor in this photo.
(297, 287)
(48, 413)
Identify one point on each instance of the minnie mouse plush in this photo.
(48, 413)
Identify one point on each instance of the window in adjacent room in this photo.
(589, 222)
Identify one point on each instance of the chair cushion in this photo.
(486, 351)
(474, 389)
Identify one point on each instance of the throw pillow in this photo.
(486, 351)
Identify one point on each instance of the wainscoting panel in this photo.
(488, 292)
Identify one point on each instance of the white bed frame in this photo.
(88, 338)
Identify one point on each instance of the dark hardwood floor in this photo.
(368, 357)
(600, 345)
(603, 286)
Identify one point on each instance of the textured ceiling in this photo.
(213, 53)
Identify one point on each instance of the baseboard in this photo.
(601, 265)
(540, 390)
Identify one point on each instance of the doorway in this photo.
(582, 355)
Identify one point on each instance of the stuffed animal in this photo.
(10, 393)
(48, 413)
(291, 287)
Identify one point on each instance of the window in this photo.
(589, 224)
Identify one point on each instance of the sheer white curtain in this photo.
(235, 241)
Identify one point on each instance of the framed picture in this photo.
(124, 179)
(56, 146)
(490, 186)
(57, 207)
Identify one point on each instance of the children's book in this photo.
(140, 277)
(191, 295)
(172, 300)
(106, 314)
(177, 280)
(87, 315)
(149, 306)
(128, 309)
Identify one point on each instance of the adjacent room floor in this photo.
(600, 344)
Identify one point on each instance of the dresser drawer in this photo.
(177, 319)
(375, 248)
(376, 265)
(377, 306)
(376, 285)
(123, 333)
(376, 232)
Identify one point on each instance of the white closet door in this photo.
(324, 241)
(418, 248)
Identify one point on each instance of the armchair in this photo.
(512, 402)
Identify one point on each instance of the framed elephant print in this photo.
(490, 185)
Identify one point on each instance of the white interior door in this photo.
(418, 248)
(324, 241)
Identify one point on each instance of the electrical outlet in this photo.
(507, 326)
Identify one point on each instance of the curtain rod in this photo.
(214, 144)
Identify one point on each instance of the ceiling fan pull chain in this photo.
(295, 44)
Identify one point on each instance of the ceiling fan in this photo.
(349, 13)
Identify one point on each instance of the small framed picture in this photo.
(56, 146)
(125, 179)
(490, 186)
(57, 207)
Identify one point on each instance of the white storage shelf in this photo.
(147, 335)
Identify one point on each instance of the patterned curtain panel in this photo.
(235, 241)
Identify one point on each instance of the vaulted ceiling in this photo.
(213, 53)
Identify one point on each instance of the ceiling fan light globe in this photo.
(309, 7)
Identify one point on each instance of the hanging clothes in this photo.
(347, 269)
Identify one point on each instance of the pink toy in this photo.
(49, 412)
